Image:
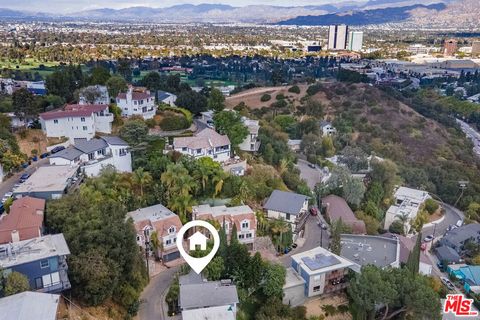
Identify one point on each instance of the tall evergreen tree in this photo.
(222, 250)
(234, 236)
(413, 262)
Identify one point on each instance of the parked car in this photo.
(24, 177)
(44, 155)
(311, 165)
(313, 211)
(428, 238)
(57, 149)
(2, 209)
(7, 196)
(459, 223)
(448, 283)
(322, 225)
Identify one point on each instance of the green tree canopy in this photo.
(216, 100)
(15, 283)
(230, 123)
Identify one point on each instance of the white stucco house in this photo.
(166, 97)
(95, 154)
(288, 206)
(76, 121)
(407, 203)
(251, 142)
(327, 128)
(137, 102)
(206, 143)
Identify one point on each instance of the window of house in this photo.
(288, 216)
(82, 119)
(241, 236)
(44, 264)
(123, 152)
(316, 278)
(138, 238)
(55, 121)
(168, 242)
(84, 128)
(38, 283)
(199, 150)
(171, 229)
(245, 225)
(91, 156)
(175, 240)
(316, 288)
(135, 102)
(249, 235)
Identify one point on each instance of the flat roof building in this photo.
(376, 250)
(49, 182)
(29, 305)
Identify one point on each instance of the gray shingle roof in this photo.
(287, 202)
(162, 95)
(23, 306)
(90, 145)
(448, 254)
(207, 294)
(69, 153)
(463, 233)
(114, 140)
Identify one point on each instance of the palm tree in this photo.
(403, 219)
(278, 228)
(202, 173)
(141, 178)
(218, 179)
(181, 203)
(185, 184)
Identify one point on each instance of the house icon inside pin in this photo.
(198, 239)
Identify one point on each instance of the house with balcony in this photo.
(25, 220)
(137, 101)
(43, 260)
(164, 222)
(206, 143)
(242, 217)
(288, 206)
(76, 121)
(407, 203)
(251, 142)
(318, 272)
(95, 154)
(96, 94)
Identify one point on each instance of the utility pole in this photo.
(462, 185)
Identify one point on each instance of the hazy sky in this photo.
(63, 6)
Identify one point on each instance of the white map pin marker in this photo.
(198, 264)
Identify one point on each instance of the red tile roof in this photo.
(73, 110)
(26, 216)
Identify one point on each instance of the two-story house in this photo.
(25, 220)
(407, 204)
(164, 222)
(242, 217)
(459, 237)
(42, 260)
(251, 142)
(96, 94)
(95, 154)
(200, 299)
(206, 143)
(322, 271)
(166, 97)
(137, 101)
(288, 206)
(77, 121)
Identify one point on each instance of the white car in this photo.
(7, 196)
(448, 283)
(428, 238)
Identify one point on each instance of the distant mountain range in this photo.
(363, 17)
(351, 12)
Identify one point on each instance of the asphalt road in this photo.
(472, 134)
(153, 296)
(8, 184)
(452, 215)
(311, 175)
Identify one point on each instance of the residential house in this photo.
(206, 143)
(77, 121)
(42, 260)
(288, 206)
(164, 222)
(36, 87)
(28, 305)
(406, 247)
(447, 255)
(200, 299)
(137, 101)
(49, 182)
(327, 128)
(457, 238)
(468, 275)
(337, 208)
(407, 204)
(95, 154)
(323, 272)
(166, 97)
(365, 250)
(25, 220)
(242, 217)
(96, 94)
(251, 142)
(294, 144)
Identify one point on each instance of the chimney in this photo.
(15, 236)
(129, 94)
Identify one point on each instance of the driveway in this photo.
(8, 184)
(311, 175)
(153, 296)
